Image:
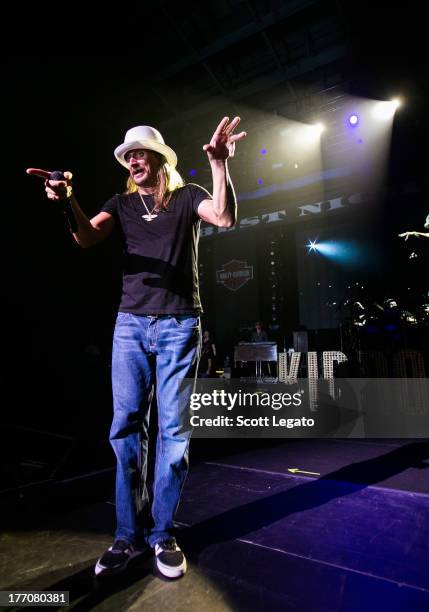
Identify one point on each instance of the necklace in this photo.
(150, 216)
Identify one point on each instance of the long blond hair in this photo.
(168, 180)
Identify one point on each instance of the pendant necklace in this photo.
(150, 216)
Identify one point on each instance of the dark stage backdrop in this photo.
(345, 262)
(247, 276)
(234, 277)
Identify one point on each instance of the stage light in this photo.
(317, 129)
(340, 251)
(260, 181)
(295, 166)
(263, 151)
(390, 303)
(353, 120)
(312, 132)
(385, 110)
(307, 137)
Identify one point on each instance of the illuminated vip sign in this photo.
(234, 274)
(328, 359)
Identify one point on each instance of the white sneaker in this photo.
(170, 560)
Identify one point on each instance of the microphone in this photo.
(57, 175)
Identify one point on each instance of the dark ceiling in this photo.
(182, 66)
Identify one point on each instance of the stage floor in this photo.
(348, 531)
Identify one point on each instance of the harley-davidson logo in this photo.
(234, 274)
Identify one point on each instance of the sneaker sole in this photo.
(108, 571)
(171, 572)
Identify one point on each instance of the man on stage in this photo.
(157, 331)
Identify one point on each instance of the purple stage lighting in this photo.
(353, 120)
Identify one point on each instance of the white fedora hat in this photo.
(144, 137)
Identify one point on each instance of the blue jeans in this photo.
(146, 349)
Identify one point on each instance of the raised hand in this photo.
(222, 143)
(56, 190)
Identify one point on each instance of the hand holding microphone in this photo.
(58, 188)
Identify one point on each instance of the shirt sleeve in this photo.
(111, 207)
(198, 194)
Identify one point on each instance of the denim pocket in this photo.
(187, 321)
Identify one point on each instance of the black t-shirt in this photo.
(160, 256)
